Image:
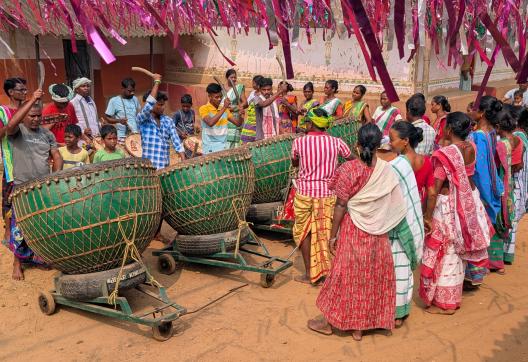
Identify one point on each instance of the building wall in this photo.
(106, 77)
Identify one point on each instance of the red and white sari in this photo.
(459, 233)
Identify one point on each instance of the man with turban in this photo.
(61, 107)
(85, 108)
(316, 154)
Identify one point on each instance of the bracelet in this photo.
(157, 81)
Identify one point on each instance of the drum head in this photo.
(133, 145)
(189, 144)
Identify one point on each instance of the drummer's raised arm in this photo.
(144, 115)
(18, 117)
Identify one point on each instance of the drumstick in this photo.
(41, 76)
(143, 70)
(281, 66)
(237, 96)
(224, 93)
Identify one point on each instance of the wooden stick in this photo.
(224, 92)
(281, 65)
(143, 70)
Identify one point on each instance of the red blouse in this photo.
(424, 177)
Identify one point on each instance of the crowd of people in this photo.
(445, 195)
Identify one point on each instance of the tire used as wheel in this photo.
(162, 331)
(46, 303)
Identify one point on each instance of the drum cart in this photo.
(225, 256)
(159, 318)
(266, 217)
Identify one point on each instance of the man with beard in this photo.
(123, 109)
(32, 147)
(85, 108)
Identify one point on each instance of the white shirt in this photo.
(79, 102)
(425, 147)
(510, 93)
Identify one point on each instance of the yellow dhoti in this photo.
(314, 216)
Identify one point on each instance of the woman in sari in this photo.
(440, 107)
(287, 106)
(359, 293)
(308, 104)
(330, 103)
(385, 115)
(357, 109)
(404, 139)
(505, 146)
(520, 181)
(249, 128)
(236, 94)
(485, 176)
(457, 227)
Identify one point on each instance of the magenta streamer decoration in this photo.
(455, 24)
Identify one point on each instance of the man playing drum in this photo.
(123, 109)
(157, 129)
(32, 146)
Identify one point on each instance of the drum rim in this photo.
(200, 144)
(343, 121)
(83, 170)
(271, 140)
(126, 143)
(242, 152)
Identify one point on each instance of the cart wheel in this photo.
(162, 331)
(267, 280)
(166, 264)
(46, 303)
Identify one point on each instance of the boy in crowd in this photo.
(72, 154)
(32, 147)
(61, 95)
(518, 99)
(267, 113)
(215, 119)
(415, 113)
(157, 129)
(184, 118)
(109, 152)
(123, 109)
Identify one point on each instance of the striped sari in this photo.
(505, 217)
(407, 238)
(520, 193)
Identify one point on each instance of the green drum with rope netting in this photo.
(79, 220)
(272, 160)
(346, 129)
(208, 194)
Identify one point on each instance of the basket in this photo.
(208, 194)
(272, 160)
(77, 219)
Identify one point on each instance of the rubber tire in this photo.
(163, 331)
(166, 264)
(267, 280)
(89, 286)
(262, 213)
(208, 244)
(46, 303)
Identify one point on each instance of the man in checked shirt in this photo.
(157, 129)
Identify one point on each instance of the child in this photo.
(518, 98)
(110, 152)
(215, 119)
(184, 118)
(72, 154)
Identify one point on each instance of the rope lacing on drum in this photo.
(242, 224)
(132, 252)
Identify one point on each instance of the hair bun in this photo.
(419, 134)
(497, 106)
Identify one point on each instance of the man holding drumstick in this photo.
(157, 129)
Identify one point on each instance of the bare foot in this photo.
(18, 273)
(302, 279)
(357, 335)
(501, 271)
(398, 322)
(320, 325)
(435, 310)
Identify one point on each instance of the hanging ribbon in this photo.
(499, 39)
(375, 52)
(399, 25)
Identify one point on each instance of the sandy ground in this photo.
(262, 324)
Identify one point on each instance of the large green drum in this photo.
(208, 194)
(272, 160)
(78, 220)
(347, 130)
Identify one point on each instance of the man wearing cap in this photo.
(61, 95)
(316, 155)
(85, 109)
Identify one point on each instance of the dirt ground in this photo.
(262, 324)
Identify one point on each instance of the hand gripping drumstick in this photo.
(224, 93)
(143, 70)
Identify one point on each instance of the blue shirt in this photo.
(154, 139)
(120, 108)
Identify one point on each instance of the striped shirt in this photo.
(214, 138)
(317, 153)
(427, 145)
